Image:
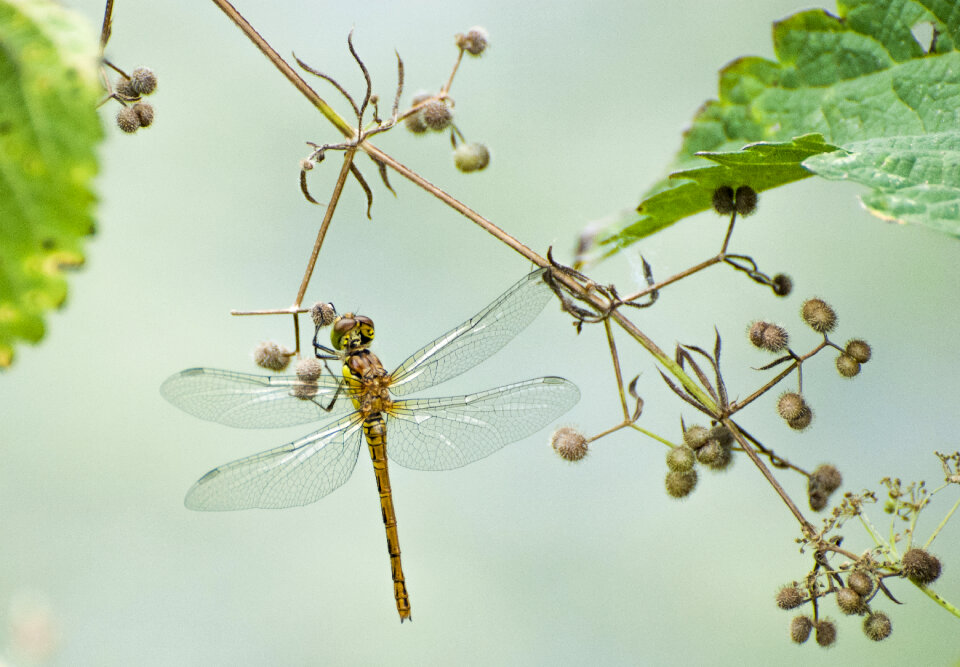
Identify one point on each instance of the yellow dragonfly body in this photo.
(424, 434)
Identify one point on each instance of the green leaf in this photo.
(851, 79)
(914, 179)
(49, 129)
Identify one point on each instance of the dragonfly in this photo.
(424, 433)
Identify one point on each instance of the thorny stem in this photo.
(616, 366)
(942, 524)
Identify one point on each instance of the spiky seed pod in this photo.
(859, 349)
(800, 627)
(826, 477)
(309, 369)
(790, 597)
(437, 115)
(569, 443)
(271, 356)
(782, 284)
(850, 601)
(143, 81)
(877, 626)
(144, 112)
(679, 484)
(714, 455)
(818, 499)
(818, 315)
(847, 366)
(861, 582)
(322, 314)
(474, 41)
(696, 437)
(767, 336)
(471, 157)
(721, 434)
(304, 390)
(826, 632)
(921, 566)
(124, 88)
(680, 458)
(414, 123)
(723, 200)
(802, 421)
(745, 200)
(127, 120)
(791, 405)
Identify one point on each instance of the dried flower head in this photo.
(474, 41)
(921, 566)
(818, 314)
(800, 627)
(471, 157)
(817, 498)
(877, 626)
(128, 120)
(124, 88)
(714, 455)
(859, 349)
(304, 390)
(696, 437)
(681, 458)
(272, 356)
(680, 484)
(826, 477)
(322, 314)
(790, 597)
(802, 421)
(569, 443)
(436, 115)
(309, 369)
(143, 81)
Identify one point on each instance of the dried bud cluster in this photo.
(272, 356)
(142, 81)
(569, 443)
(767, 336)
(921, 566)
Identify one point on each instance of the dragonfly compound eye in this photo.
(341, 327)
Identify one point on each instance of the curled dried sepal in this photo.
(569, 443)
(272, 356)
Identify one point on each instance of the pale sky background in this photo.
(520, 559)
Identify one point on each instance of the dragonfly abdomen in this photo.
(374, 428)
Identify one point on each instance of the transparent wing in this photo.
(474, 340)
(297, 473)
(445, 433)
(251, 401)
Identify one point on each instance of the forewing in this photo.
(474, 340)
(243, 400)
(445, 433)
(298, 473)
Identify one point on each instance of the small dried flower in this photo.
(800, 627)
(818, 314)
(569, 443)
(877, 626)
(921, 566)
(272, 356)
(679, 484)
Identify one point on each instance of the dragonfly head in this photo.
(351, 332)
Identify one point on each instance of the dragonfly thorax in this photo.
(351, 332)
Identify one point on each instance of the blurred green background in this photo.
(521, 558)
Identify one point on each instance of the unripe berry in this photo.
(847, 366)
(860, 582)
(791, 405)
(818, 314)
(859, 350)
(144, 112)
(826, 632)
(680, 458)
(437, 115)
(569, 443)
(877, 626)
(767, 336)
(782, 284)
(272, 356)
(800, 627)
(850, 601)
(696, 437)
(826, 477)
(127, 120)
(790, 597)
(723, 200)
(745, 200)
(143, 81)
(322, 314)
(309, 369)
(474, 42)
(920, 566)
(471, 157)
(679, 484)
